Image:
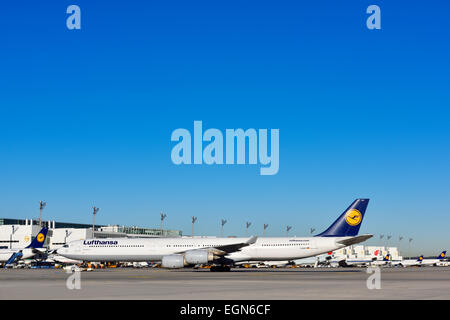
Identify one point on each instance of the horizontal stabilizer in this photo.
(354, 240)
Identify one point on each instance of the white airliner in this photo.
(404, 263)
(351, 262)
(439, 261)
(8, 256)
(372, 260)
(223, 252)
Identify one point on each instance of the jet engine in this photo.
(173, 261)
(191, 257)
(198, 256)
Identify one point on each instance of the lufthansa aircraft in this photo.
(223, 252)
(440, 260)
(10, 255)
(405, 263)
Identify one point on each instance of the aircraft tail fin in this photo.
(349, 221)
(387, 257)
(420, 258)
(38, 242)
(442, 255)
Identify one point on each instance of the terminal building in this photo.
(364, 252)
(18, 233)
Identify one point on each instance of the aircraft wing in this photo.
(354, 240)
(228, 248)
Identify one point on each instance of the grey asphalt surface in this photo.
(189, 284)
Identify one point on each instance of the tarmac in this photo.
(238, 284)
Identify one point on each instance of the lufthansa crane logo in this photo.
(40, 237)
(353, 217)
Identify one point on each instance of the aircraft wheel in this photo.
(220, 269)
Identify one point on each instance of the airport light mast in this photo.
(193, 221)
(223, 223)
(247, 225)
(68, 233)
(94, 212)
(11, 235)
(400, 242)
(265, 227)
(311, 231)
(42, 205)
(287, 230)
(381, 237)
(409, 247)
(163, 216)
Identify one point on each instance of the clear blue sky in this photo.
(86, 116)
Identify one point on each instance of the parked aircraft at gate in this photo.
(34, 248)
(223, 252)
(440, 260)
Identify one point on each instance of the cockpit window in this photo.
(65, 246)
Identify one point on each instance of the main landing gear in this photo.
(220, 268)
